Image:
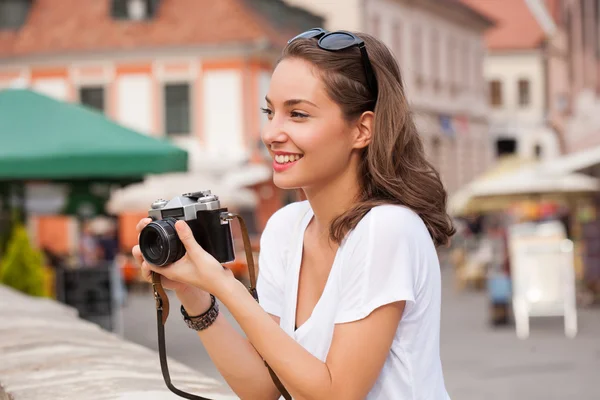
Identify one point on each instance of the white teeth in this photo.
(282, 159)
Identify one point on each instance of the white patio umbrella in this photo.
(497, 190)
(138, 197)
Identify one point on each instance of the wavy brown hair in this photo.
(393, 168)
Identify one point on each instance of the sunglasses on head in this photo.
(341, 40)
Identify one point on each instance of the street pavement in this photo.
(480, 362)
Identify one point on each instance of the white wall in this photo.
(338, 14)
(223, 112)
(53, 87)
(134, 93)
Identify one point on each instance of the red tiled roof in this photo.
(516, 27)
(61, 26)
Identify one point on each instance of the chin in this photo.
(288, 181)
(285, 182)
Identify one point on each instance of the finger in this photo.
(146, 272)
(142, 224)
(137, 253)
(186, 236)
(153, 268)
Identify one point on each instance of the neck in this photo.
(332, 199)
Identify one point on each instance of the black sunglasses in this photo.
(341, 40)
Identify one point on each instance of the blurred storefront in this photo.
(517, 191)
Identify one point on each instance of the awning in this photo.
(586, 161)
(43, 138)
(231, 188)
(514, 179)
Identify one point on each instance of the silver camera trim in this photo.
(190, 206)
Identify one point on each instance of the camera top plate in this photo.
(185, 206)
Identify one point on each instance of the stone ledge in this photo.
(47, 352)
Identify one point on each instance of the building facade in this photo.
(193, 71)
(440, 49)
(579, 21)
(543, 75)
(525, 74)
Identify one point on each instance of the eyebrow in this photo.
(293, 102)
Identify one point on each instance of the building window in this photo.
(13, 13)
(466, 66)
(376, 25)
(477, 68)
(417, 50)
(505, 146)
(134, 10)
(436, 152)
(451, 66)
(92, 97)
(397, 40)
(177, 108)
(524, 93)
(496, 93)
(435, 58)
(538, 151)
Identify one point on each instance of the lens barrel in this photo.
(160, 244)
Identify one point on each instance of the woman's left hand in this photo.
(197, 267)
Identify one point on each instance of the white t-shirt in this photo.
(388, 257)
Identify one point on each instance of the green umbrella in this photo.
(45, 139)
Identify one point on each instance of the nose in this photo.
(273, 132)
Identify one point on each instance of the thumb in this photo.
(187, 238)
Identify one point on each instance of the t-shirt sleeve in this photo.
(270, 279)
(381, 263)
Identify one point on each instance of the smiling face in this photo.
(310, 141)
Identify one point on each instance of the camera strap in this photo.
(162, 313)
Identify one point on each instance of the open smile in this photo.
(284, 161)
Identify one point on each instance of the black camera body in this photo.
(208, 221)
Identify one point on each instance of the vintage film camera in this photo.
(202, 211)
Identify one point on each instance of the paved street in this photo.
(479, 363)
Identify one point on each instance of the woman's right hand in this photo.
(195, 300)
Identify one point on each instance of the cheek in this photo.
(326, 151)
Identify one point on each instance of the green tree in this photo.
(22, 266)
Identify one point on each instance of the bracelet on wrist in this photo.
(204, 320)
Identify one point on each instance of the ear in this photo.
(364, 130)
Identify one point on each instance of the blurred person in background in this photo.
(498, 271)
(349, 281)
(90, 251)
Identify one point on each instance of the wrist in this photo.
(230, 290)
(194, 300)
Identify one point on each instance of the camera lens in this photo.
(160, 244)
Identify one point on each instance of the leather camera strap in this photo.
(162, 313)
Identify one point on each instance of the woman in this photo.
(349, 280)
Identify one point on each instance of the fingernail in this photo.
(180, 226)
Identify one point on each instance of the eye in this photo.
(296, 114)
(267, 111)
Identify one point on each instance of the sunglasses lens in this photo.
(311, 33)
(337, 41)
